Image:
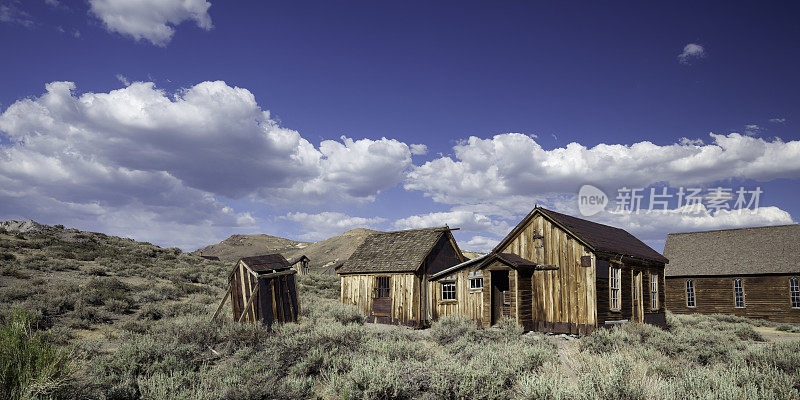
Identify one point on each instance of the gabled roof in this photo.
(510, 259)
(266, 262)
(598, 237)
(399, 251)
(761, 250)
(298, 259)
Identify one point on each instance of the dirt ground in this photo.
(775, 336)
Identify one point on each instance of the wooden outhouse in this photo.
(748, 272)
(300, 264)
(262, 288)
(558, 273)
(387, 275)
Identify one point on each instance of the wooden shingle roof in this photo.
(599, 237)
(761, 250)
(399, 251)
(266, 262)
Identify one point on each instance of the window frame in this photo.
(381, 290)
(474, 279)
(794, 292)
(448, 285)
(654, 303)
(614, 302)
(690, 285)
(736, 295)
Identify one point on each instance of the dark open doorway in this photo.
(499, 295)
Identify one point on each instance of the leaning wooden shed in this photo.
(262, 288)
(558, 273)
(386, 278)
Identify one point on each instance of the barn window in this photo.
(689, 293)
(476, 283)
(614, 284)
(654, 291)
(794, 292)
(738, 293)
(382, 286)
(449, 291)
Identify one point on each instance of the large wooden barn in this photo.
(749, 272)
(387, 275)
(557, 273)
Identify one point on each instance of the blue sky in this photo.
(182, 122)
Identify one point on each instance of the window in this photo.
(794, 292)
(614, 283)
(689, 293)
(382, 286)
(738, 293)
(449, 291)
(475, 283)
(654, 291)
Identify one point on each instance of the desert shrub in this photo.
(318, 285)
(6, 256)
(453, 327)
(321, 310)
(783, 356)
(13, 270)
(31, 367)
(788, 328)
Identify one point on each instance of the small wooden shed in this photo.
(300, 264)
(387, 275)
(262, 288)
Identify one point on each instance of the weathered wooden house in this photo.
(558, 273)
(387, 275)
(749, 272)
(300, 264)
(262, 288)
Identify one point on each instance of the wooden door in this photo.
(638, 300)
(381, 301)
(499, 294)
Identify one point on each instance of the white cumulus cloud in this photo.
(171, 159)
(326, 224)
(151, 20)
(490, 171)
(691, 52)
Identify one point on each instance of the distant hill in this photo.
(238, 246)
(325, 255)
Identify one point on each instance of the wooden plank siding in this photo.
(404, 292)
(562, 297)
(468, 302)
(766, 296)
(629, 268)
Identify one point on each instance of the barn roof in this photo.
(599, 237)
(266, 262)
(399, 251)
(761, 250)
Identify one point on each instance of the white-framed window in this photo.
(738, 293)
(448, 290)
(654, 291)
(690, 293)
(476, 283)
(614, 285)
(794, 292)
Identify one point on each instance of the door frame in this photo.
(497, 302)
(637, 296)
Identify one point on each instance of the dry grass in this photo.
(135, 319)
